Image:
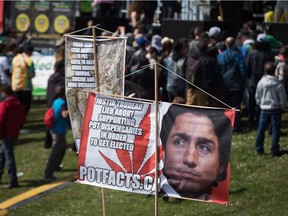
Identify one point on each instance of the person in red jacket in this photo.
(12, 117)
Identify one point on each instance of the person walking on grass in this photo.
(56, 79)
(58, 134)
(271, 99)
(12, 116)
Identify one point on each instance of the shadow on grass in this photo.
(246, 129)
(36, 183)
(32, 183)
(238, 191)
(24, 140)
(34, 128)
(68, 170)
(40, 120)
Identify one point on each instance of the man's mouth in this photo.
(187, 174)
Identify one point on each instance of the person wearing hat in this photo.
(156, 43)
(214, 34)
(138, 60)
(215, 45)
(273, 42)
(139, 56)
(255, 70)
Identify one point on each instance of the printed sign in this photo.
(116, 145)
(80, 73)
(61, 23)
(43, 17)
(44, 68)
(22, 22)
(117, 148)
(41, 23)
(196, 145)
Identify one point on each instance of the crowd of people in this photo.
(16, 73)
(247, 71)
(215, 68)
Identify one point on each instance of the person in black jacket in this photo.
(203, 72)
(56, 79)
(255, 70)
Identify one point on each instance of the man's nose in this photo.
(191, 156)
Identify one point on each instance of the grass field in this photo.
(259, 184)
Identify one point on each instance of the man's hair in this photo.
(28, 48)
(6, 89)
(180, 44)
(269, 68)
(221, 125)
(284, 51)
(202, 45)
(59, 91)
(230, 42)
(59, 65)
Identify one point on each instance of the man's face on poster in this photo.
(191, 155)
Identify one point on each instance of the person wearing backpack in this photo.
(12, 116)
(203, 72)
(58, 133)
(56, 79)
(234, 74)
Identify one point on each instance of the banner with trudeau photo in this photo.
(118, 151)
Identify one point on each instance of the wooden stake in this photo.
(98, 87)
(95, 60)
(103, 202)
(156, 137)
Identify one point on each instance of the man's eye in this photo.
(179, 142)
(204, 149)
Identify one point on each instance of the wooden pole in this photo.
(103, 202)
(221, 16)
(98, 87)
(156, 137)
(95, 60)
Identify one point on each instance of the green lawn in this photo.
(259, 184)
